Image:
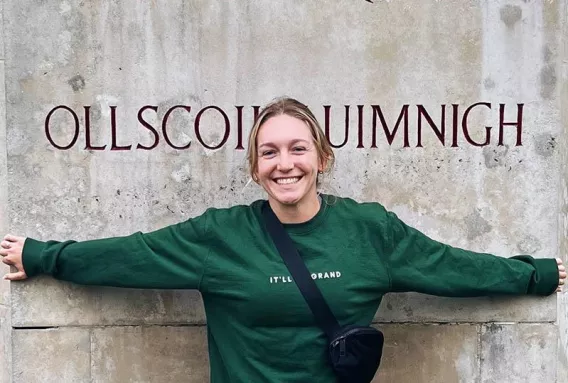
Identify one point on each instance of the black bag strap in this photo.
(300, 273)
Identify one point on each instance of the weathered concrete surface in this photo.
(445, 353)
(5, 329)
(563, 197)
(102, 306)
(3, 160)
(4, 286)
(2, 32)
(6, 345)
(562, 374)
(519, 353)
(106, 306)
(149, 354)
(413, 307)
(430, 353)
(51, 355)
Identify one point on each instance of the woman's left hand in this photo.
(561, 274)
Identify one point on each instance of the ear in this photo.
(323, 165)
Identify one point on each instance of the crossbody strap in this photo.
(323, 315)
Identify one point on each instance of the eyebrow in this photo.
(293, 142)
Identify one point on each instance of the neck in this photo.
(297, 213)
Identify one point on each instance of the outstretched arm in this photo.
(172, 257)
(418, 263)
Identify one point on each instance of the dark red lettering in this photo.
(440, 133)
(390, 135)
(360, 126)
(48, 134)
(88, 145)
(165, 122)
(465, 129)
(114, 145)
(327, 128)
(256, 112)
(518, 124)
(145, 124)
(227, 127)
(455, 123)
(398, 128)
(239, 128)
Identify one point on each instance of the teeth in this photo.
(285, 181)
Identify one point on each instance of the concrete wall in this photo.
(505, 195)
(563, 200)
(5, 328)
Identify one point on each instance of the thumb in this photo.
(17, 276)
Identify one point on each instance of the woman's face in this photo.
(288, 161)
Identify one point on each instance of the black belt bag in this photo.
(354, 351)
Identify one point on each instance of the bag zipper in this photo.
(342, 337)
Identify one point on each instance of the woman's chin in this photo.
(288, 199)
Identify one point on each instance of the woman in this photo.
(259, 327)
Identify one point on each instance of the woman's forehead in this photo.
(283, 128)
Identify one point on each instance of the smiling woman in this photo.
(287, 168)
(259, 327)
(287, 150)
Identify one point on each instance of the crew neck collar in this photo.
(312, 223)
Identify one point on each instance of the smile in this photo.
(287, 181)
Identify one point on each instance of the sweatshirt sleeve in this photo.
(418, 263)
(170, 258)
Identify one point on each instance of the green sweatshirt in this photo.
(259, 326)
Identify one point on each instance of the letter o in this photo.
(48, 134)
(227, 127)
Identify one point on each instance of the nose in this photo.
(285, 163)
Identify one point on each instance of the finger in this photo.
(558, 261)
(7, 261)
(562, 274)
(18, 276)
(3, 252)
(561, 268)
(5, 244)
(13, 238)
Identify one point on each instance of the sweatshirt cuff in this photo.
(544, 280)
(31, 257)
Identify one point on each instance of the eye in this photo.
(299, 149)
(268, 153)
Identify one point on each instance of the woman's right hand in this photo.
(11, 252)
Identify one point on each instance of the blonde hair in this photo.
(292, 108)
